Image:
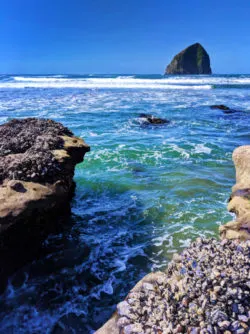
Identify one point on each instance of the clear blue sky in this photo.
(120, 36)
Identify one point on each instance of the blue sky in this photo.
(114, 36)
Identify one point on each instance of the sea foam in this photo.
(120, 82)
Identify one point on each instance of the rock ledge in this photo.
(37, 161)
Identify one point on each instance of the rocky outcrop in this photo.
(37, 161)
(239, 202)
(192, 60)
(206, 288)
(151, 119)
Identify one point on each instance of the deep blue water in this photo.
(143, 192)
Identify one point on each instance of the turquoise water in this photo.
(143, 192)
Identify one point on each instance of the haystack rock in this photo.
(192, 60)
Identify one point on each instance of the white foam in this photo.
(40, 79)
(176, 80)
(98, 83)
(201, 148)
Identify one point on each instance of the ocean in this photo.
(143, 193)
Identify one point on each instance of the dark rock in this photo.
(18, 186)
(153, 120)
(37, 163)
(220, 106)
(245, 193)
(224, 108)
(192, 60)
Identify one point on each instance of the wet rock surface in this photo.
(224, 108)
(151, 119)
(206, 289)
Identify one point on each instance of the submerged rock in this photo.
(192, 60)
(151, 119)
(224, 108)
(220, 106)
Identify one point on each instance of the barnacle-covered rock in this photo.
(210, 296)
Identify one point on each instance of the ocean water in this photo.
(143, 192)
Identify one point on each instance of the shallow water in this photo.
(143, 192)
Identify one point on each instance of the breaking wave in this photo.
(120, 82)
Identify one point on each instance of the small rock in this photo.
(123, 309)
(220, 106)
(123, 321)
(243, 318)
(148, 286)
(135, 328)
(153, 120)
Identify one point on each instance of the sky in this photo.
(115, 36)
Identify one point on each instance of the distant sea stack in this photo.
(192, 60)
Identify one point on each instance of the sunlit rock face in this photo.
(239, 202)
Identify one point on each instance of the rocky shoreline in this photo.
(205, 289)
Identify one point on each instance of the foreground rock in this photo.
(192, 60)
(206, 289)
(151, 119)
(37, 161)
(239, 202)
(224, 108)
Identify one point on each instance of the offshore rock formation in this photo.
(37, 161)
(239, 202)
(206, 288)
(192, 60)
